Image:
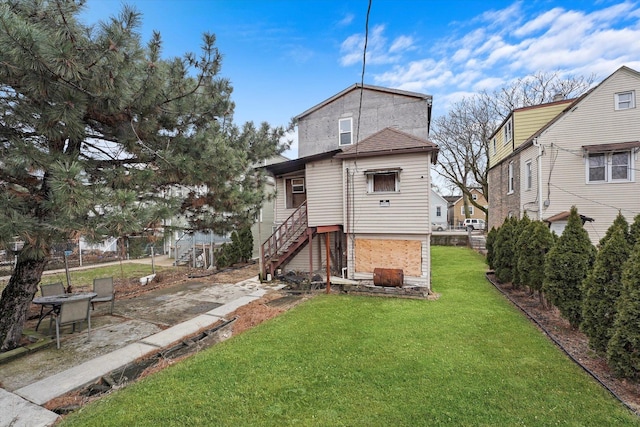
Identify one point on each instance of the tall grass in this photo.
(468, 358)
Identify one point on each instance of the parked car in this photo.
(437, 227)
(474, 224)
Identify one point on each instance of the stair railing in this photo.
(286, 233)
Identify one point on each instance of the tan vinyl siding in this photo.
(594, 121)
(282, 213)
(502, 149)
(407, 210)
(324, 192)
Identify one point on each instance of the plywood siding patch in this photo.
(404, 254)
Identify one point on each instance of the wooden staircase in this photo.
(286, 241)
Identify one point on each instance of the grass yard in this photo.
(468, 358)
(85, 277)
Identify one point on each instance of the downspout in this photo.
(538, 160)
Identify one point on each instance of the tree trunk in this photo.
(16, 300)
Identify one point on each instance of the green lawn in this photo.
(468, 358)
(117, 271)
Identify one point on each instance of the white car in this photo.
(474, 224)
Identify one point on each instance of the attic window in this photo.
(625, 100)
(508, 131)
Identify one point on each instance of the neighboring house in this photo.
(458, 213)
(504, 161)
(451, 200)
(586, 156)
(357, 206)
(438, 211)
(265, 222)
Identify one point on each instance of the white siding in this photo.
(324, 192)
(407, 210)
(594, 121)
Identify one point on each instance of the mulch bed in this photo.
(571, 341)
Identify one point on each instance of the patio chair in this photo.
(105, 290)
(49, 290)
(73, 311)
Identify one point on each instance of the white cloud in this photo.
(538, 23)
(346, 20)
(401, 43)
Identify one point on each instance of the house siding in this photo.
(324, 192)
(408, 210)
(458, 217)
(300, 262)
(282, 213)
(592, 121)
(318, 131)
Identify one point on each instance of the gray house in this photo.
(357, 199)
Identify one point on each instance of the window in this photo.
(609, 167)
(625, 100)
(382, 182)
(511, 179)
(439, 211)
(345, 126)
(508, 131)
(297, 185)
(528, 178)
(494, 146)
(295, 193)
(470, 208)
(474, 196)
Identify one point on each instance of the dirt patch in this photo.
(572, 341)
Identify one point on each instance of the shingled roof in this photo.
(389, 141)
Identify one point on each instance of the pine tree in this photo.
(98, 129)
(566, 265)
(620, 222)
(538, 240)
(634, 231)
(490, 245)
(602, 287)
(519, 246)
(504, 260)
(623, 350)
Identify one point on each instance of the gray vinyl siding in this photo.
(263, 228)
(408, 210)
(318, 132)
(324, 192)
(282, 213)
(594, 121)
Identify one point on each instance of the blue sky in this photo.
(284, 57)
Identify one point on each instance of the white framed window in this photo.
(494, 146)
(508, 131)
(470, 208)
(474, 196)
(625, 100)
(511, 178)
(383, 182)
(345, 127)
(613, 166)
(297, 185)
(528, 176)
(438, 211)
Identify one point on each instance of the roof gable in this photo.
(357, 86)
(389, 141)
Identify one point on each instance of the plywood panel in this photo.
(404, 254)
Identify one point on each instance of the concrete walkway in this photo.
(60, 371)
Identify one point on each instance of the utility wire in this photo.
(364, 65)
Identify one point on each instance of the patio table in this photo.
(55, 301)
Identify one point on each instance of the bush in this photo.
(566, 266)
(623, 350)
(519, 247)
(634, 231)
(504, 260)
(619, 222)
(239, 250)
(490, 245)
(538, 241)
(602, 288)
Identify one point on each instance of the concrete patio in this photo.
(139, 327)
